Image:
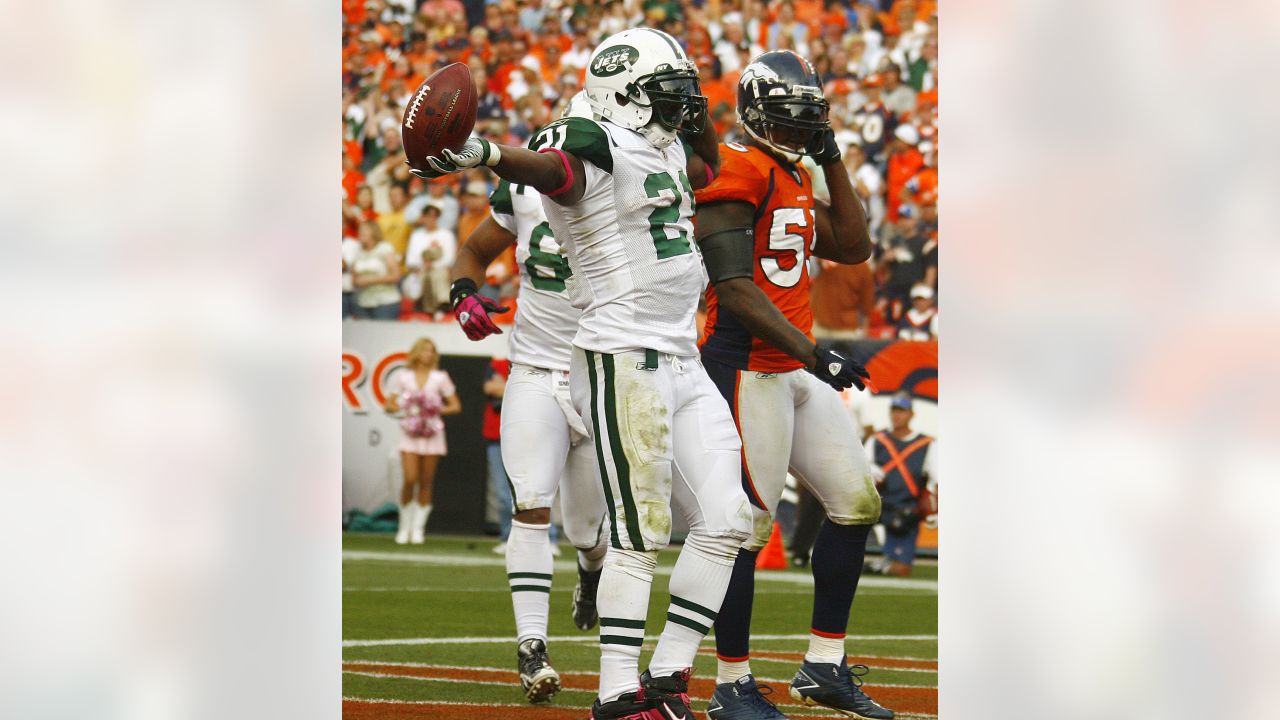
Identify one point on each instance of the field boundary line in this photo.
(386, 701)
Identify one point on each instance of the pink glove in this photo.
(473, 315)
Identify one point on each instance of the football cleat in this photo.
(629, 706)
(539, 680)
(742, 700)
(584, 599)
(838, 687)
(668, 696)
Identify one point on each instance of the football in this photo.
(440, 114)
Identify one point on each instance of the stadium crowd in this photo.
(878, 60)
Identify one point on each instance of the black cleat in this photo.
(584, 599)
(669, 695)
(539, 680)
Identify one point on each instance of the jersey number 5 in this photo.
(665, 215)
(782, 239)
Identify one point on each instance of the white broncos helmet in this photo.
(641, 79)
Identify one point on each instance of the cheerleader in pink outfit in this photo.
(426, 395)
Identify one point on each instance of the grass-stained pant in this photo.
(662, 434)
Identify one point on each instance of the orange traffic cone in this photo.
(772, 556)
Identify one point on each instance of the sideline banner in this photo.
(373, 350)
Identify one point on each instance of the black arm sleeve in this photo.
(728, 254)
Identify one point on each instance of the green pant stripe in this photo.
(621, 640)
(619, 455)
(682, 620)
(695, 607)
(531, 588)
(530, 575)
(604, 470)
(622, 622)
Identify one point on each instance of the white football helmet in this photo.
(579, 106)
(641, 79)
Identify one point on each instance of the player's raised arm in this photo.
(704, 164)
(843, 234)
(480, 249)
(554, 172)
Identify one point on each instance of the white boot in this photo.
(406, 520)
(420, 524)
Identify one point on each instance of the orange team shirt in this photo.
(784, 236)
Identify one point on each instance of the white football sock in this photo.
(727, 672)
(623, 602)
(825, 649)
(698, 585)
(529, 567)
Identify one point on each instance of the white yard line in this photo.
(781, 576)
(587, 639)
(431, 666)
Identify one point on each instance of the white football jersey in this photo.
(545, 320)
(636, 272)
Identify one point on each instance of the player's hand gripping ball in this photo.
(440, 116)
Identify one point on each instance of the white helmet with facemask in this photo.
(641, 79)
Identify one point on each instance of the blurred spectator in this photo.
(869, 186)
(897, 97)
(920, 322)
(350, 249)
(475, 208)
(843, 299)
(375, 274)
(873, 120)
(906, 259)
(904, 162)
(432, 250)
(499, 496)
(788, 28)
(395, 229)
(437, 196)
(904, 464)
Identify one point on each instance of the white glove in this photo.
(475, 151)
(931, 521)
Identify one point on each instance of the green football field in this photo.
(428, 632)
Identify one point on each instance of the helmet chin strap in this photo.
(657, 135)
(788, 155)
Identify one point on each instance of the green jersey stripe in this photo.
(500, 199)
(695, 607)
(619, 455)
(682, 620)
(622, 622)
(604, 470)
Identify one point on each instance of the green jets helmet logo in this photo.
(614, 60)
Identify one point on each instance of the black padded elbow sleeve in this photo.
(728, 254)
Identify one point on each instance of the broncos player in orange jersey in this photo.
(757, 224)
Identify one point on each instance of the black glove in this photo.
(839, 371)
(823, 148)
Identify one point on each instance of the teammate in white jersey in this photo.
(542, 436)
(619, 199)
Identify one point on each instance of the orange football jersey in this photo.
(784, 237)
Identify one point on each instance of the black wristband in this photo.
(461, 288)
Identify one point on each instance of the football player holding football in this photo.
(619, 198)
(758, 223)
(544, 443)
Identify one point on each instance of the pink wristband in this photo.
(711, 175)
(568, 172)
